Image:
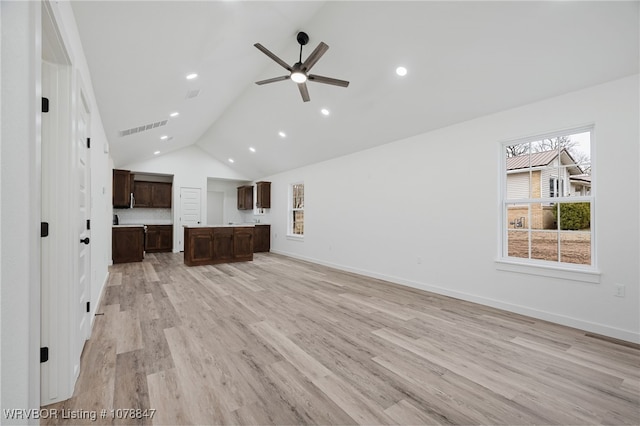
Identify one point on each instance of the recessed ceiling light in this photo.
(252, 149)
(231, 160)
(324, 111)
(156, 153)
(174, 114)
(282, 134)
(401, 71)
(164, 137)
(192, 76)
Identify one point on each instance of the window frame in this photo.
(548, 268)
(291, 209)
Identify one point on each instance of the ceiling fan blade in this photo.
(315, 55)
(304, 92)
(272, 80)
(328, 80)
(267, 52)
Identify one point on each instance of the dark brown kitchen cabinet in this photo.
(141, 194)
(245, 197)
(243, 243)
(263, 192)
(152, 194)
(122, 188)
(223, 244)
(161, 195)
(127, 244)
(198, 246)
(159, 238)
(262, 238)
(211, 245)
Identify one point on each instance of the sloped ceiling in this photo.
(464, 60)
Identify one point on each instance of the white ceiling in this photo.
(465, 60)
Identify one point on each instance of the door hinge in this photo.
(88, 306)
(44, 229)
(88, 142)
(45, 105)
(88, 224)
(44, 354)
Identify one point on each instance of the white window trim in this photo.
(567, 271)
(290, 209)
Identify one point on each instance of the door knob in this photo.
(86, 240)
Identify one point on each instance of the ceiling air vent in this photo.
(192, 93)
(138, 129)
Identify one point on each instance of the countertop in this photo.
(227, 225)
(146, 222)
(133, 225)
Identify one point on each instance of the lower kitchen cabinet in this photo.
(243, 243)
(127, 244)
(262, 238)
(221, 244)
(159, 238)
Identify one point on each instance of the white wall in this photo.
(230, 211)
(435, 196)
(20, 57)
(190, 167)
(20, 174)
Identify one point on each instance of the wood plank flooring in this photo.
(280, 341)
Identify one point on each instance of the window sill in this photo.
(293, 237)
(561, 272)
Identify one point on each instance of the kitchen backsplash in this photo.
(144, 216)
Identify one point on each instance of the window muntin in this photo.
(547, 200)
(296, 210)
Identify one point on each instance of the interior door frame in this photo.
(59, 273)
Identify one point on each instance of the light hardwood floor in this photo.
(280, 341)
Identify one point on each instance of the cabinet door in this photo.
(142, 194)
(263, 190)
(151, 239)
(198, 246)
(245, 197)
(161, 195)
(243, 243)
(165, 238)
(223, 244)
(121, 188)
(262, 238)
(127, 245)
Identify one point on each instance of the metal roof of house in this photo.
(582, 178)
(541, 159)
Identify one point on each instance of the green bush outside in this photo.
(573, 216)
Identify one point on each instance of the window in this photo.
(547, 200)
(296, 209)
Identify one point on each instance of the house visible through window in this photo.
(296, 225)
(547, 199)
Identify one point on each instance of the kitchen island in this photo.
(212, 244)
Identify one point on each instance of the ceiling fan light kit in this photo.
(299, 72)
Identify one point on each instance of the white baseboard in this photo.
(97, 302)
(587, 326)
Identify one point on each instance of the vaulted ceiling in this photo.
(464, 60)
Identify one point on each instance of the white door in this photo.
(83, 253)
(189, 212)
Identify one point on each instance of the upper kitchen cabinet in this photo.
(122, 188)
(141, 194)
(245, 197)
(264, 195)
(152, 194)
(161, 195)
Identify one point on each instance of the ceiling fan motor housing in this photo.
(302, 38)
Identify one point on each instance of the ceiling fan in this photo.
(299, 72)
